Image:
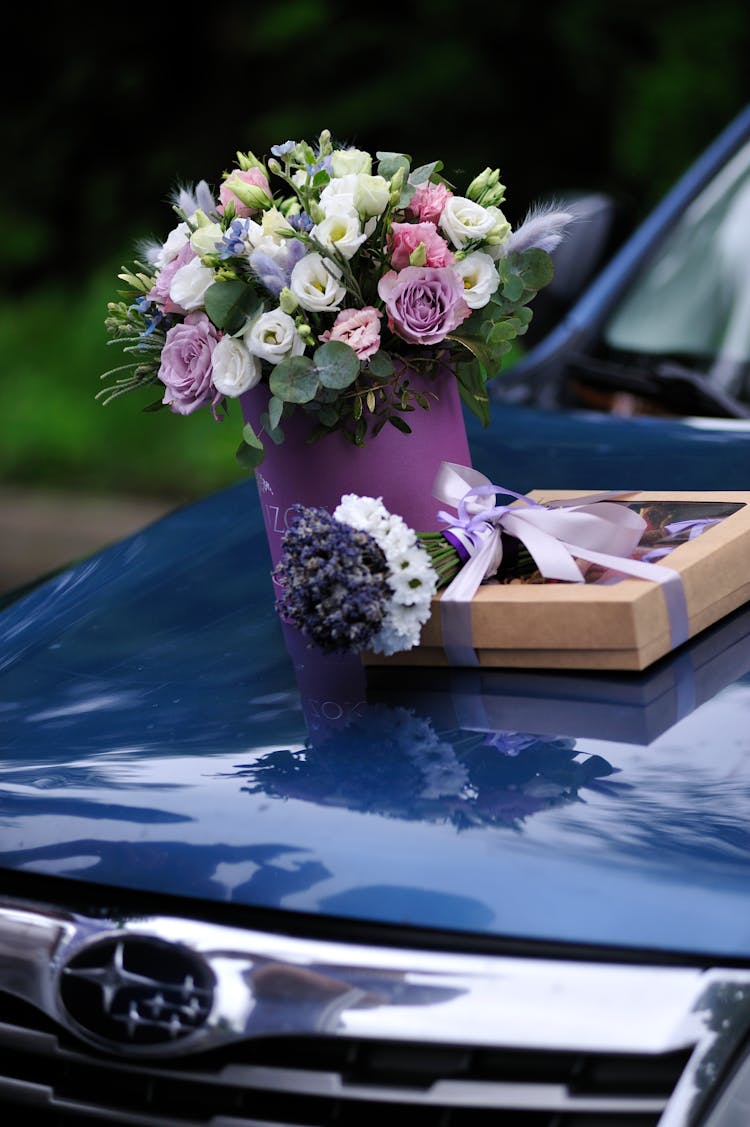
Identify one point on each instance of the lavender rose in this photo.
(186, 365)
(423, 304)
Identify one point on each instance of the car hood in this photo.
(165, 733)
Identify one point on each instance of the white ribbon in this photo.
(555, 534)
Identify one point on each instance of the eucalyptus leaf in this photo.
(472, 390)
(250, 452)
(380, 366)
(406, 195)
(275, 410)
(501, 331)
(536, 268)
(422, 174)
(274, 433)
(294, 380)
(513, 287)
(251, 438)
(229, 304)
(476, 346)
(389, 164)
(328, 416)
(337, 364)
(399, 423)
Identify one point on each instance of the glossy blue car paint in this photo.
(162, 733)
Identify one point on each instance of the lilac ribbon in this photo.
(555, 534)
(692, 527)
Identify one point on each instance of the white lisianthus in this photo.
(316, 285)
(171, 247)
(273, 336)
(205, 239)
(337, 198)
(234, 368)
(411, 577)
(371, 195)
(189, 285)
(275, 225)
(345, 161)
(356, 192)
(340, 232)
(277, 249)
(479, 277)
(463, 221)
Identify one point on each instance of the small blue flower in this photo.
(152, 314)
(284, 150)
(323, 164)
(233, 244)
(301, 222)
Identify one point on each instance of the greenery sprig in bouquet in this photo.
(329, 276)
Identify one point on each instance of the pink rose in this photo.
(252, 176)
(406, 237)
(428, 202)
(423, 304)
(159, 292)
(359, 328)
(186, 364)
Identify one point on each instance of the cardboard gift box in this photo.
(625, 707)
(608, 621)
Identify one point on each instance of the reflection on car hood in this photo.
(164, 732)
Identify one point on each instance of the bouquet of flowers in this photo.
(361, 579)
(328, 275)
(355, 579)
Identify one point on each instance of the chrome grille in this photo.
(312, 1081)
(305, 1033)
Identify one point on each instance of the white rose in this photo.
(234, 368)
(273, 337)
(204, 240)
(345, 161)
(371, 195)
(172, 245)
(316, 285)
(190, 283)
(463, 220)
(479, 276)
(340, 232)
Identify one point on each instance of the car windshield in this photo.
(692, 302)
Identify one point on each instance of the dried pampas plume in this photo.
(544, 227)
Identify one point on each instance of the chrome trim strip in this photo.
(269, 983)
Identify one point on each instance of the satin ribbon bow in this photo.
(555, 534)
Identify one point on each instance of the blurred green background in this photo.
(104, 116)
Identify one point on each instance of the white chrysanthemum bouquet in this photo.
(328, 275)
